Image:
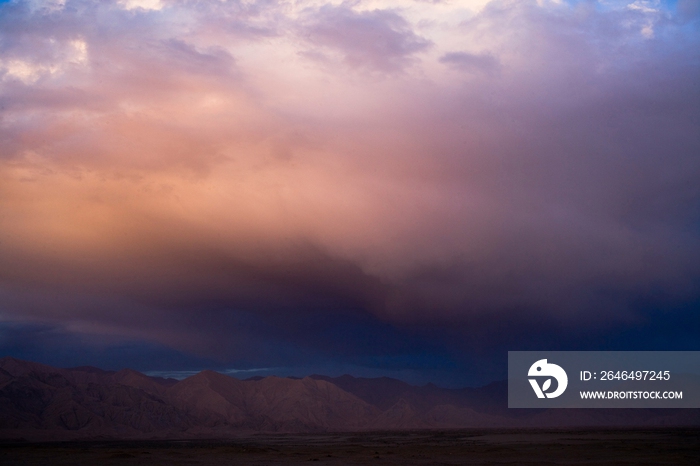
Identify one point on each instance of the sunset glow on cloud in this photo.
(222, 177)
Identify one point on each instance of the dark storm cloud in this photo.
(187, 178)
(61, 347)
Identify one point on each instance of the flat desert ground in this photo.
(465, 447)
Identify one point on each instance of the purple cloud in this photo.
(173, 176)
(377, 39)
(471, 62)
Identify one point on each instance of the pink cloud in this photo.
(182, 159)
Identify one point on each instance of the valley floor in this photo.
(457, 447)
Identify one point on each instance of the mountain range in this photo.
(39, 402)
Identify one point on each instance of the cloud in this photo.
(470, 62)
(188, 177)
(142, 4)
(688, 9)
(375, 39)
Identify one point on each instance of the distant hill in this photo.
(39, 402)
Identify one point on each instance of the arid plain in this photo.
(452, 447)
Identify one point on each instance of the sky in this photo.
(403, 188)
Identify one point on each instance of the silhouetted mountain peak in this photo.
(18, 367)
(49, 403)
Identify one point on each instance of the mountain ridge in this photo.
(40, 402)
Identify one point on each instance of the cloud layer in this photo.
(275, 181)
